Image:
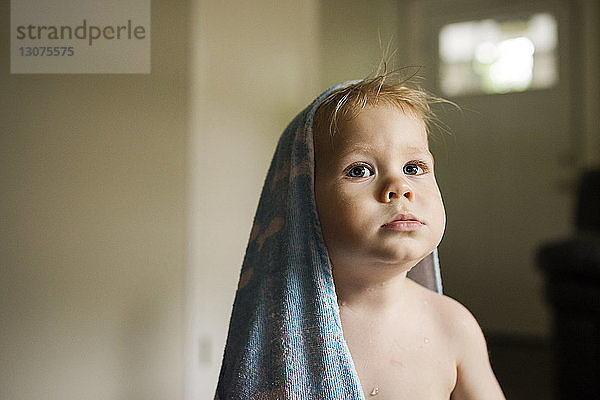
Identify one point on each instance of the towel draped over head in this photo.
(285, 336)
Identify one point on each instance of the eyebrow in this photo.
(365, 148)
(419, 149)
(356, 148)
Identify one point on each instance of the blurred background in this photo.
(127, 199)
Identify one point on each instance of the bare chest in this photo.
(394, 361)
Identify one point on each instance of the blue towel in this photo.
(285, 336)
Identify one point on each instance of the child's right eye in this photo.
(359, 171)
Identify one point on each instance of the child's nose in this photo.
(397, 191)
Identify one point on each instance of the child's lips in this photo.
(403, 223)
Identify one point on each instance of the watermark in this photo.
(74, 36)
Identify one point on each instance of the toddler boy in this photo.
(381, 212)
(324, 308)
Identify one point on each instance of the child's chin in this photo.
(407, 258)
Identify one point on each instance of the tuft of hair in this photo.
(395, 88)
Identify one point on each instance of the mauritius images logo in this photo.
(67, 36)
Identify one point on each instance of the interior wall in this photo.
(93, 232)
(588, 12)
(354, 37)
(254, 66)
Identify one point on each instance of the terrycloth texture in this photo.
(285, 336)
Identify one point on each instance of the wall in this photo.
(254, 66)
(588, 13)
(93, 231)
(354, 36)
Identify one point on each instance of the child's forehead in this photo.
(384, 114)
(383, 124)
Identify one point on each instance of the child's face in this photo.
(376, 194)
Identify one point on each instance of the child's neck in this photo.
(371, 289)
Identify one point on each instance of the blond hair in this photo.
(346, 103)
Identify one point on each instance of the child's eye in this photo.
(415, 168)
(359, 171)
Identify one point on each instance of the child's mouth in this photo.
(403, 223)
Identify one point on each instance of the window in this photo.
(498, 56)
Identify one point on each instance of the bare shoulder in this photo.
(458, 322)
(457, 327)
(452, 317)
(460, 331)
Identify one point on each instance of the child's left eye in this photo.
(359, 171)
(414, 169)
